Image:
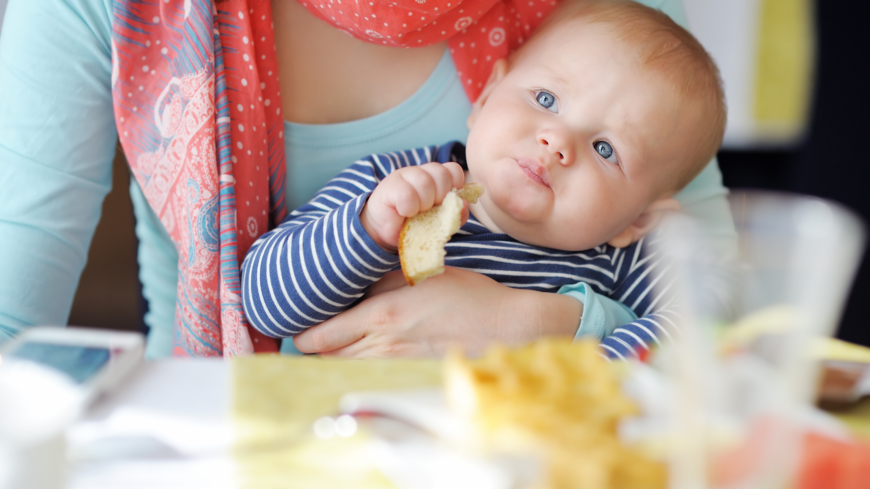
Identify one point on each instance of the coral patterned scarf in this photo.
(196, 98)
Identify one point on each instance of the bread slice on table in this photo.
(422, 240)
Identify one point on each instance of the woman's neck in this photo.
(327, 76)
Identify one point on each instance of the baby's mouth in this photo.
(535, 171)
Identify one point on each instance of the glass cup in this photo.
(748, 305)
(37, 404)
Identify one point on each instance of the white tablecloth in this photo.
(167, 426)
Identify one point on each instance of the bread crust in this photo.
(468, 193)
(408, 278)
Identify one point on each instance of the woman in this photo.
(340, 98)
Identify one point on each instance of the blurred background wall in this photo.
(109, 293)
(833, 161)
(765, 50)
(796, 78)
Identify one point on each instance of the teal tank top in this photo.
(435, 114)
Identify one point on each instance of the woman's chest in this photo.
(327, 76)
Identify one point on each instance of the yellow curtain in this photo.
(786, 53)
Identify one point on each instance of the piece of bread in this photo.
(422, 240)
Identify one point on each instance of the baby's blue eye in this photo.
(605, 150)
(547, 101)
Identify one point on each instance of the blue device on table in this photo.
(93, 359)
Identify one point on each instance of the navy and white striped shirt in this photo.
(320, 261)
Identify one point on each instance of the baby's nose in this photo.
(557, 147)
(545, 141)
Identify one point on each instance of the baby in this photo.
(580, 140)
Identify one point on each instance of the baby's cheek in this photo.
(526, 206)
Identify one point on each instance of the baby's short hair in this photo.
(672, 53)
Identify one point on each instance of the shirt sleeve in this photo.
(57, 141)
(644, 286)
(320, 260)
(601, 314)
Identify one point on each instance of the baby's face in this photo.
(574, 141)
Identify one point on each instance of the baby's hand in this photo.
(406, 193)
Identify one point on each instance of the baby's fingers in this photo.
(417, 189)
(446, 177)
(404, 198)
(457, 175)
(419, 193)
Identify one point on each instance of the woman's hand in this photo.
(458, 307)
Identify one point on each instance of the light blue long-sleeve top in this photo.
(58, 137)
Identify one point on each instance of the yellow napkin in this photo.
(834, 349)
(277, 398)
(784, 67)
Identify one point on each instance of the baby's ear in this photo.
(499, 69)
(645, 222)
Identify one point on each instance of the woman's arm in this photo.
(509, 315)
(57, 140)
(458, 308)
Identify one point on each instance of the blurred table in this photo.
(212, 423)
(856, 417)
(216, 424)
(168, 426)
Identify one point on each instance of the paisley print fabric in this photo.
(195, 90)
(198, 110)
